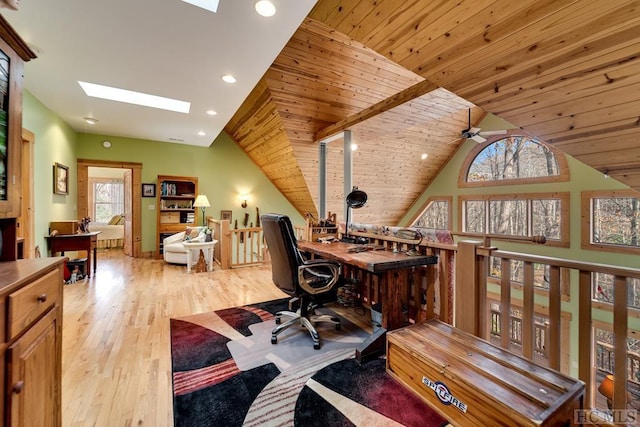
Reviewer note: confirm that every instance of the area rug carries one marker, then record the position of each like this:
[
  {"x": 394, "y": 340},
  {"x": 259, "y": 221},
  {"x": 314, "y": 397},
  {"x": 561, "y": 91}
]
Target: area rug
[{"x": 226, "y": 372}]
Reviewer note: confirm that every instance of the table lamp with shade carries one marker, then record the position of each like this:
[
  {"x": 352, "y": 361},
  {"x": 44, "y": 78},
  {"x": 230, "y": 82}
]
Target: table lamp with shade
[
  {"x": 606, "y": 389},
  {"x": 202, "y": 202}
]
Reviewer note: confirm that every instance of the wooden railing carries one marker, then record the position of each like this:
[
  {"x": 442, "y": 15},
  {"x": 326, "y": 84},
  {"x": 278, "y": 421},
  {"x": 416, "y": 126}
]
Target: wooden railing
[
  {"x": 242, "y": 247},
  {"x": 472, "y": 277},
  {"x": 605, "y": 361}
]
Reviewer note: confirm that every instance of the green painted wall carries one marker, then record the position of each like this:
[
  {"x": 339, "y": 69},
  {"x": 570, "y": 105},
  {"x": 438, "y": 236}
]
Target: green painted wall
[
  {"x": 224, "y": 172},
  {"x": 55, "y": 142},
  {"x": 583, "y": 178}
]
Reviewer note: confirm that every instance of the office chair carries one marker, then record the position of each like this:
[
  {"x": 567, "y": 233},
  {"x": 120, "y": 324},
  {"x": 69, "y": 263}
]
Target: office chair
[{"x": 299, "y": 278}]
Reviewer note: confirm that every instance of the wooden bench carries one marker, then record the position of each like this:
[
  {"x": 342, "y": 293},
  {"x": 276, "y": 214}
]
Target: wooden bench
[{"x": 472, "y": 382}]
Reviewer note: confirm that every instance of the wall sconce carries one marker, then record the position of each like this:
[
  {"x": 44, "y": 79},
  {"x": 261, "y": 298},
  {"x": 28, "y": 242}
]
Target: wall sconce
[
  {"x": 201, "y": 202},
  {"x": 243, "y": 200}
]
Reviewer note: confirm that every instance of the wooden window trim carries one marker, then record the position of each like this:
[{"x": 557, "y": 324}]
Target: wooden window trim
[
  {"x": 565, "y": 215},
  {"x": 563, "y": 166},
  {"x": 425, "y": 205},
  {"x": 586, "y": 215}
]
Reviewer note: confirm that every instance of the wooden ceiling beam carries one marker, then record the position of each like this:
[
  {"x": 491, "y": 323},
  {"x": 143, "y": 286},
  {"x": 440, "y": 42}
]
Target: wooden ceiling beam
[{"x": 399, "y": 98}]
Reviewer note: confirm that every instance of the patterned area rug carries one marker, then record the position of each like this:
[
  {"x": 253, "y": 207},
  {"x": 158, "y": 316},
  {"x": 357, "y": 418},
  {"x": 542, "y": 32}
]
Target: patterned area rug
[{"x": 226, "y": 372}]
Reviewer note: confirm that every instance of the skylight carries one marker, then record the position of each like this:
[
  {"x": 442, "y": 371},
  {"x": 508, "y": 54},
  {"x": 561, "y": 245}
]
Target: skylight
[
  {"x": 137, "y": 98},
  {"x": 210, "y": 5}
]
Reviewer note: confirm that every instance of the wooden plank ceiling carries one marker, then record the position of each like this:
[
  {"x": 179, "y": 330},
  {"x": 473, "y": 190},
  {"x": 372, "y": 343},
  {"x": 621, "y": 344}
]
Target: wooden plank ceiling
[{"x": 565, "y": 71}]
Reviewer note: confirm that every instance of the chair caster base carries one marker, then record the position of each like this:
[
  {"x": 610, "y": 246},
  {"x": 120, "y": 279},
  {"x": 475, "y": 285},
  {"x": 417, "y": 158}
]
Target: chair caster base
[{"x": 274, "y": 340}]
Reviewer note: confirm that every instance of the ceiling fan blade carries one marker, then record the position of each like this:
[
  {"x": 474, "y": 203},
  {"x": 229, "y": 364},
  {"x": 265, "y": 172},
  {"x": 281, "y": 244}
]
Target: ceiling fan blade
[
  {"x": 493, "y": 132},
  {"x": 474, "y": 130},
  {"x": 478, "y": 139}
]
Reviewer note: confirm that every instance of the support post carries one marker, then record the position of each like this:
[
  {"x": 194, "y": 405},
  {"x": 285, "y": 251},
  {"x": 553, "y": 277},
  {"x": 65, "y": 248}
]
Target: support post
[{"x": 467, "y": 301}]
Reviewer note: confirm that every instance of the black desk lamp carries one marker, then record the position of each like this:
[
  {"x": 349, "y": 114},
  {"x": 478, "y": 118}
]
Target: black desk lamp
[{"x": 355, "y": 200}]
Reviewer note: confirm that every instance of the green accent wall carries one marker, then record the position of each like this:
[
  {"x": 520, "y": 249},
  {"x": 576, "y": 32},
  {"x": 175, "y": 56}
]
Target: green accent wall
[
  {"x": 223, "y": 170},
  {"x": 582, "y": 178},
  {"x": 55, "y": 141}
]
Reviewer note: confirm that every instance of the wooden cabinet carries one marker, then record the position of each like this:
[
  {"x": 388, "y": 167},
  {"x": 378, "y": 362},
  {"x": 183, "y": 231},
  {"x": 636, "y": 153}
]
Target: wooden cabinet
[
  {"x": 13, "y": 53},
  {"x": 175, "y": 205},
  {"x": 31, "y": 356}
]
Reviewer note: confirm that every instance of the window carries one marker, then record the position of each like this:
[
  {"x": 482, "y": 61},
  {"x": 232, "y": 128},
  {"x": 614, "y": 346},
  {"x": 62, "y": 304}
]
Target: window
[
  {"x": 612, "y": 221},
  {"x": 520, "y": 215},
  {"x": 108, "y": 199},
  {"x": 436, "y": 215},
  {"x": 510, "y": 160},
  {"x": 602, "y": 289}
]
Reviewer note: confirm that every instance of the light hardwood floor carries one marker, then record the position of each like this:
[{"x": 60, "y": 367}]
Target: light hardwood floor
[{"x": 116, "y": 362}]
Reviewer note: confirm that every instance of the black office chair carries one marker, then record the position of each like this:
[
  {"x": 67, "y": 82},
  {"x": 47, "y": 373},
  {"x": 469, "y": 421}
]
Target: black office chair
[{"x": 300, "y": 278}]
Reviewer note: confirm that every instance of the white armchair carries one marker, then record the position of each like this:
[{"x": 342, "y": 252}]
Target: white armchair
[{"x": 173, "y": 250}]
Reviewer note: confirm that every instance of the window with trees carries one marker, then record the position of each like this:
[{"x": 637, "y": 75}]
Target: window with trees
[
  {"x": 510, "y": 160},
  {"x": 108, "y": 199},
  {"x": 520, "y": 215},
  {"x": 435, "y": 215},
  {"x": 611, "y": 221}
]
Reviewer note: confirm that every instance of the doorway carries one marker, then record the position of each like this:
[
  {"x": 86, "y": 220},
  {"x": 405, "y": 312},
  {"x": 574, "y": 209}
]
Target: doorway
[
  {"x": 132, "y": 238},
  {"x": 25, "y": 223}
]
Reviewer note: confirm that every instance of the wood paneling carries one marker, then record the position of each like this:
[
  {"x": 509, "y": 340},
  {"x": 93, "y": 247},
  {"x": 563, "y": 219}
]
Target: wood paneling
[{"x": 566, "y": 71}]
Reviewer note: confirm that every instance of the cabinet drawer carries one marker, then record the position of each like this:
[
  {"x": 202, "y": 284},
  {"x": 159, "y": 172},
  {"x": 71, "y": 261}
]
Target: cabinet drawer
[{"x": 30, "y": 302}]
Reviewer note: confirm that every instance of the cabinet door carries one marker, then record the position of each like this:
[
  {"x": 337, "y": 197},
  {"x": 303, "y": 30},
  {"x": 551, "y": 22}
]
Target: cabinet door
[{"x": 33, "y": 383}]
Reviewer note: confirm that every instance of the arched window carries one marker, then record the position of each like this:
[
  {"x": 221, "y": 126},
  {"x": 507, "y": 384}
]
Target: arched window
[{"x": 513, "y": 159}]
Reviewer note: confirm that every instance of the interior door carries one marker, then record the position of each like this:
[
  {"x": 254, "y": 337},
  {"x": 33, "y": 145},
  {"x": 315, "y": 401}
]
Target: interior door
[{"x": 128, "y": 210}]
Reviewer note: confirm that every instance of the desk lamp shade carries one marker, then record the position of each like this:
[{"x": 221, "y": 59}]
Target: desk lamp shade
[
  {"x": 355, "y": 200},
  {"x": 201, "y": 202}
]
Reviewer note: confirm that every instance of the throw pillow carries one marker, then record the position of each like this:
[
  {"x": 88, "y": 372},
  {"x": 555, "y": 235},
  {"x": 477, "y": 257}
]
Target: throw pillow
[
  {"x": 121, "y": 222},
  {"x": 191, "y": 233},
  {"x": 115, "y": 219}
]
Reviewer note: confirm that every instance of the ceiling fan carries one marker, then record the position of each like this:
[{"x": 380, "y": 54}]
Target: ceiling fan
[{"x": 476, "y": 134}]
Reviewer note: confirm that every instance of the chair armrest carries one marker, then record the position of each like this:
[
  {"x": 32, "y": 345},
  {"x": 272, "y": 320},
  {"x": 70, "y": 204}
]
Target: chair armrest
[
  {"x": 173, "y": 238},
  {"x": 325, "y": 272}
]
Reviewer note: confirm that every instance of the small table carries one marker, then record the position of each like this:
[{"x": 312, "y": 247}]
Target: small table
[
  {"x": 197, "y": 246},
  {"x": 75, "y": 242}
]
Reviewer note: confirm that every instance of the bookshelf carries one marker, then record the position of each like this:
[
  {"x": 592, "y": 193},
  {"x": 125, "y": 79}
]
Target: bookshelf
[{"x": 176, "y": 195}]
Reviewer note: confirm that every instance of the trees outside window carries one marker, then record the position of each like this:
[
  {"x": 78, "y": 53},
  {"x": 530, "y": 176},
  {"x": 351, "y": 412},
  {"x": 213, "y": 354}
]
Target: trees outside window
[
  {"x": 435, "y": 215},
  {"x": 522, "y": 215},
  {"x": 514, "y": 159},
  {"x": 611, "y": 221},
  {"x": 108, "y": 197}
]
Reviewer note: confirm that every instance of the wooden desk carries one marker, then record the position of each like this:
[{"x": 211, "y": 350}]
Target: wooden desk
[
  {"x": 385, "y": 263},
  {"x": 75, "y": 242}
]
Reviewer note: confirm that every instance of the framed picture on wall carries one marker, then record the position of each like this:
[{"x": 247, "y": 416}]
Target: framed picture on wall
[
  {"x": 225, "y": 215},
  {"x": 60, "y": 179},
  {"x": 148, "y": 190}
]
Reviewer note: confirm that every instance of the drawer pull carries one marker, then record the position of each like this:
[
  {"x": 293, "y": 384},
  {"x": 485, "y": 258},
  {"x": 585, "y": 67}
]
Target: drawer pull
[
  {"x": 17, "y": 387},
  {"x": 42, "y": 298}
]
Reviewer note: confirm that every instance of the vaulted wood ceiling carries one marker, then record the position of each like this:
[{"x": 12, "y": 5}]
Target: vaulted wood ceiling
[{"x": 565, "y": 71}]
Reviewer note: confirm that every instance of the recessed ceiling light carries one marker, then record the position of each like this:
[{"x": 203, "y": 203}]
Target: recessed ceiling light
[
  {"x": 91, "y": 120},
  {"x": 211, "y": 112},
  {"x": 210, "y": 5},
  {"x": 265, "y": 8},
  {"x": 137, "y": 98},
  {"x": 424, "y": 156},
  {"x": 201, "y": 133},
  {"x": 229, "y": 78}
]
